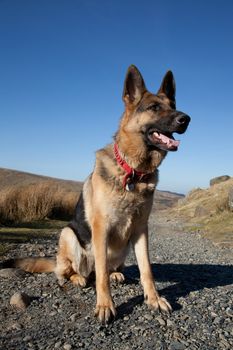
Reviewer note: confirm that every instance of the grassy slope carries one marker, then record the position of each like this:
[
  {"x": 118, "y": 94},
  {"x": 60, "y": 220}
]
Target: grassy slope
[
  {"x": 207, "y": 210},
  {"x": 28, "y": 197}
]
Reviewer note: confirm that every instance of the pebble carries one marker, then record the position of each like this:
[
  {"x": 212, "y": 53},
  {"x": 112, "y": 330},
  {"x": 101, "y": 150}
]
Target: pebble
[
  {"x": 175, "y": 345},
  {"x": 67, "y": 346},
  {"x": 161, "y": 321},
  {"x": 148, "y": 317},
  {"x": 170, "y": 323},
  {"x": 20, "y": 300},
  {"x": 57, "y": 345},
  {"x": 27, "y": 338},
  {"x": 229, "y": 312}
]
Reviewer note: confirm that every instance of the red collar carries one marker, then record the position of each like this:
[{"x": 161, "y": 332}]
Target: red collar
[{"x": 131, "y": 175}]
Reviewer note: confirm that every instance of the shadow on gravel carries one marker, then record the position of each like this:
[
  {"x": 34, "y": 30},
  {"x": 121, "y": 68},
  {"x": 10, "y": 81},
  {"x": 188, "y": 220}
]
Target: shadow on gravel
[
  {"x": 184, "y": 278},
  {"x": 127, "y": 307}
]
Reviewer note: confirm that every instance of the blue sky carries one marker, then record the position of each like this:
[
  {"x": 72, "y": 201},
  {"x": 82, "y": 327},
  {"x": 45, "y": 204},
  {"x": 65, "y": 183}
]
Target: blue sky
[{"x": 62, "y": 67}]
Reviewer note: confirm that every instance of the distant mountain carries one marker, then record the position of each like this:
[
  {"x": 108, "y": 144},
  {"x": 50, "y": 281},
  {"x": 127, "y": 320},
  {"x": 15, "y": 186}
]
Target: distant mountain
[{"x": 166, "y": 199}]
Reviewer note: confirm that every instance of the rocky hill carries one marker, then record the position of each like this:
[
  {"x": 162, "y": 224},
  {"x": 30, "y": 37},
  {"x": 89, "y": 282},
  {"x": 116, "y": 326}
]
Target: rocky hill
[{"x": 209, "y": 210}]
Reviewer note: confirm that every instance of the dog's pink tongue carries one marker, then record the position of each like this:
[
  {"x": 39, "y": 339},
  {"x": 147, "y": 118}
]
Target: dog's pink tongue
[{"x": 165, "y": 142}]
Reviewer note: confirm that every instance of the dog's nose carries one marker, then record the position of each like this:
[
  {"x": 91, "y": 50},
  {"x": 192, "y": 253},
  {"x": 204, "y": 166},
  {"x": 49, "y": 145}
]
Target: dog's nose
[{"x": 182, "y": 119}]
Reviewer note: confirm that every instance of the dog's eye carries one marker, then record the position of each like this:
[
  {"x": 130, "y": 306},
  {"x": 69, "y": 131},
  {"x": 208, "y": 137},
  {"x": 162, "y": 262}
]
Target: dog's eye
[{"x": 155, "y": 107}]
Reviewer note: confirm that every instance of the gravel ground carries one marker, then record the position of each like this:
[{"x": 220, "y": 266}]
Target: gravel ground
[{"x": 194, "y": 275}]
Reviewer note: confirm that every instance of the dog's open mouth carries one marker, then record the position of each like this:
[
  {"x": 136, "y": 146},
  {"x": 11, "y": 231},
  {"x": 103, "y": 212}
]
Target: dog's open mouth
[{"x": 164, "y": 142}]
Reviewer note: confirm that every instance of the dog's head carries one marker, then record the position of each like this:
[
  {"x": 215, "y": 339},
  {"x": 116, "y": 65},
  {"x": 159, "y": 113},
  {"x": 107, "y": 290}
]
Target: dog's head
[{"x": 152, "y": 119}]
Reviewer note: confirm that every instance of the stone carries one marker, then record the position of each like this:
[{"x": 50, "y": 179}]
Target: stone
[
  {"x": 219, "y": 179},
  {"x": 67, "y": 346},
  {"x": 20, "y": 300},
  {"x": 229, "y": 312},
  {"x": 169, "y": 323},
  {"x": 175, "y": 345},
  {"x": 27, "y": 338},
  {"x": 161, "y": 321},
  {"x": 57, "y": 345},
  {"x": 148, "y": 317}
]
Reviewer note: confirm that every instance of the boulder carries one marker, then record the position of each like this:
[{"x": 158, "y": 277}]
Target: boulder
[{"x": 219, "y": 179}]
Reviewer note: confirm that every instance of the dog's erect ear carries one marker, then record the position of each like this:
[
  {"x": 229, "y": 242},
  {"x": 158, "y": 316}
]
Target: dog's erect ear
[
  {"x": 134, "y": 86},
  {"x": 168, "y": 86}
]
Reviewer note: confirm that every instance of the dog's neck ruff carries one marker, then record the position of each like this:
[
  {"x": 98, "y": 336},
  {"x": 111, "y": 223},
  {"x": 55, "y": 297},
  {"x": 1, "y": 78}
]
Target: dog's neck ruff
[{"x": 132, "y": 176}]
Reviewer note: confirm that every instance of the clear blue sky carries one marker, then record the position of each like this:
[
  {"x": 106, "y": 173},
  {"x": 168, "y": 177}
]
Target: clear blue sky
[{"x": 62, "y": 67}]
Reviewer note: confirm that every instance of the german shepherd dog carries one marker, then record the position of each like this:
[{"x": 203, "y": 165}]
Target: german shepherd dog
[
  {"x": 114, "y": 207},
  {"x": 113, "y": 210}
]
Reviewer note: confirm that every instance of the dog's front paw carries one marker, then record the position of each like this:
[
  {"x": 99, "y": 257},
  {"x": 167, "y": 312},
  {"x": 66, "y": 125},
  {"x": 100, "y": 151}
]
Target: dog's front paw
[
  {"x": 159, "y": 303},
  {"x": 117, "y": 277},
  {"x": 106, "y": 312}
]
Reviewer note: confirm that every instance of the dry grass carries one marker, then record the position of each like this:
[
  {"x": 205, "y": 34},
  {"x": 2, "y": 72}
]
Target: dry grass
[
  {"x": 37, "y": 201},
  {"x": 208, "y": 210}
]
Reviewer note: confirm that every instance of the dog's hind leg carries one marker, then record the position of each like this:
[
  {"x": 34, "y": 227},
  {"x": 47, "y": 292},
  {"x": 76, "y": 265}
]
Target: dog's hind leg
[
  {"x": 117, "y": 276},
  {"x": 78, "y": 280},
  {"x": 73, "y": 261},
  {"x": 68, "y": 257},
  {"x": 116, "y": 265}
]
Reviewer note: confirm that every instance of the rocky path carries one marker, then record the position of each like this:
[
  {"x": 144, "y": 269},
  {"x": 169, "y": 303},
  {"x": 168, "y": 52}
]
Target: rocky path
[{"x": 194, "y": 275}]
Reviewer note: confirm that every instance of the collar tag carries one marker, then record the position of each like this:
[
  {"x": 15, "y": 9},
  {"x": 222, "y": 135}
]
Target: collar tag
[{"x": 129, "y": 186}]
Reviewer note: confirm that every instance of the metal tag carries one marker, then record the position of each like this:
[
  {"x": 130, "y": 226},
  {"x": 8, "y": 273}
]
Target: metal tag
[{"x": 129, "y": 186}]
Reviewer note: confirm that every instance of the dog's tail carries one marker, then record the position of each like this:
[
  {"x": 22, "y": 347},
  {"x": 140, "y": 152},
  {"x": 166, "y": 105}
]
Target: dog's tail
[{"x": 31, "y": 264}]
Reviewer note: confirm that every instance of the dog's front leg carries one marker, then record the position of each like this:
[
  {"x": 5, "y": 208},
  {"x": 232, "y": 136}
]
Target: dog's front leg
[
  {"x": 152, "y": 298},
  {"x": 104, "y": 307}
]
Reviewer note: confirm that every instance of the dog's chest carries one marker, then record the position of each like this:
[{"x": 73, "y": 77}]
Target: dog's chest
[{"x": 126, "y": 215}]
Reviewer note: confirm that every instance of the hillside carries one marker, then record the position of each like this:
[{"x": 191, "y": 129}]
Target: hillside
[
  {"x": 9, "y": 178},
  {"x": 165, "y": 199},
  {"x": 209, "y": 211},
  {"x": 28, "y": 197}
]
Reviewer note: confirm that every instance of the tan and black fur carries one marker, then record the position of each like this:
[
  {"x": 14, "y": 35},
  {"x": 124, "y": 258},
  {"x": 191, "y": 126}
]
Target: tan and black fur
[{"x": 108, "y": 219}]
